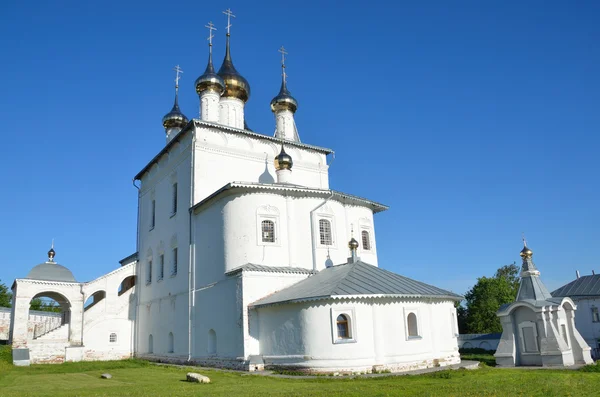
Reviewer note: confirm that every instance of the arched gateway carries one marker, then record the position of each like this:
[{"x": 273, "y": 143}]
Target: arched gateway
[{"x": 54, "y": 337}]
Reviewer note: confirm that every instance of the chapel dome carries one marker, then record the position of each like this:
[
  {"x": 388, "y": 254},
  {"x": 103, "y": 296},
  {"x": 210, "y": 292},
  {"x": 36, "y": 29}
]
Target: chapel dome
[
  {"x": 175, "y": 119},
  {"x": 283, "y": 161},
  {"x": 353, "y": 244},
  {"x": 526, "y": 252},
  {"x": 284, "y": 100},
  {"x": 209, "y": 80},
  {"x": 51, "y": 271},
  {"x": 236, "y": 86}
]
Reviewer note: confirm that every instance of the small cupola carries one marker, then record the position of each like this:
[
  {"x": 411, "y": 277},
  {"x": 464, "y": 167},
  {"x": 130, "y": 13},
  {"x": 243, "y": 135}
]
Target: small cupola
[{"x": 174, "y": 121}]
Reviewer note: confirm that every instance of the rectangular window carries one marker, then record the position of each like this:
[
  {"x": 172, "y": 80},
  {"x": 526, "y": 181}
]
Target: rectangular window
[
  {"x": 325, "y": 232},
  {"x": 112, "y": 338},
  {"x": 174, "y": 269},
  {"x": 149, "y": 275},
  {"x": 595, "y": 315},
  {"x": 153, "y": 215},
  {"x": 366, "y": 241},
  {"x": 174, "y": 204},
  {"x": 161, "y": 267},
  {"x": 268, "y": 231}
]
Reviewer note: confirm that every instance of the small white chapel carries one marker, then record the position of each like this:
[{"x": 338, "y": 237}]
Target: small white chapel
[{"x": 246, "y": 258}]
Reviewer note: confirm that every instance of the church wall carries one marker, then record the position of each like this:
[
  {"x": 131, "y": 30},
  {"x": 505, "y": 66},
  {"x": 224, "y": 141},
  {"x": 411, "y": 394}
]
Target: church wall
[
  {"x": 222, "y": 157},
  {"x": 304, "y": 335},
  {"x": 234, "y": 222},
  {"x": 170, "y": 231},
  {"x": 218, "y": 307}
]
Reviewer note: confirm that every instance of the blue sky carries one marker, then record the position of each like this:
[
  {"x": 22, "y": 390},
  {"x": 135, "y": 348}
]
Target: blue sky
[{"x": 474, "y": 121}]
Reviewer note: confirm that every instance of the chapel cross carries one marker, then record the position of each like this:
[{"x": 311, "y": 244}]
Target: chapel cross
[
  {"x": 177, "y": 70},
  {"x": 210, "y": 28},
  {"x": 524, "y": 241},
  {"x": 283, "y": 54},
  {"x": 229, "y": 15}
]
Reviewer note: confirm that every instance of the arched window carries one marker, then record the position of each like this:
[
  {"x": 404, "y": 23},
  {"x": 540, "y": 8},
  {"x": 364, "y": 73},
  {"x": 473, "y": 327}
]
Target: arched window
[
  {"x": 411, "y": 322},
  {"x": 212, "y": 342},
  {"x": 112, "y": 338},
  {"x": 150, "y": 344},
  {"x": 325, "y": 232},
  {"x": 171, "y": 343},
  {"x": 343, "y": 327},
  {"x": 366, "y": 241},
  {"x": 268, "y": 231}
]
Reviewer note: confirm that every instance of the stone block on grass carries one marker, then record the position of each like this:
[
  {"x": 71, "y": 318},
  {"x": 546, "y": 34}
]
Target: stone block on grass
[{"x": 197, "y": 378}]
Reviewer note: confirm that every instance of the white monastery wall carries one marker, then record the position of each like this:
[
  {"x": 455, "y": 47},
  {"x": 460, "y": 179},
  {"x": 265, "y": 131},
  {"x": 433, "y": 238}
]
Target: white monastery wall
[
  {"x": 222, "y": 157},
  {"x": 378, "y": 335}
]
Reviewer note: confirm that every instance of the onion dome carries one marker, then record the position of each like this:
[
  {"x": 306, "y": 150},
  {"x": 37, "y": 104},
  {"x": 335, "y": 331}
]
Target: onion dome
[
  {"x": 353, "y": 244},
  {"x": 51, "y": 255},
  {"x": 236, "y": 85},
  {"x": 175, "y": 119},
  {"x": 283, "y": 161},
  {"x": 209, "y": 80},
  {"x": 284, "y": 100},
  {"x": 526, "y": 252}
]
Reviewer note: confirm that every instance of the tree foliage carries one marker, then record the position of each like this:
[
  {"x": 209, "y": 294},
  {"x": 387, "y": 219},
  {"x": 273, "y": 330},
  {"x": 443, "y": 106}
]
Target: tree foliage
[
  {"x": 485, "y": 298},
  {"x": 5, "y": 295},
  {"x": 44, "y": 305}
]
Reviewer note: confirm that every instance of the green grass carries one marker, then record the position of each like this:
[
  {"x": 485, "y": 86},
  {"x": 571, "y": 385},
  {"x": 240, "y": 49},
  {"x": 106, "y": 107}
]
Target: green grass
[{"x": 138, "y": 378}]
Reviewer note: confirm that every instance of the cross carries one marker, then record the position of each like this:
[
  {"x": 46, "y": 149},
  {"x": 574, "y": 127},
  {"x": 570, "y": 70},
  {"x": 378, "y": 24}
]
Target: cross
[
  {"x": 229, "y": 15},
  {"x": 210, "y": 27},
  {"x": 524, "y": 241},
  {"x": 283, "y": 54},
  {"x": 177, "y": 70}
]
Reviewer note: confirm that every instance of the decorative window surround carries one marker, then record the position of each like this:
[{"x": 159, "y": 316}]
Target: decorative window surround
[
  {"x": 417, "y": 318},
  {"x": 271, "y": 214},
  {"x": 350, "y": 315},
  {"x": 321, "y": 231}
]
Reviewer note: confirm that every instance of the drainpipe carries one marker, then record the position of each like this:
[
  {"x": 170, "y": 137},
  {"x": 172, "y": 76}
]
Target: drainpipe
[
  {"x": 137, "y": 273},
  {"x": 191, "y": 277}
]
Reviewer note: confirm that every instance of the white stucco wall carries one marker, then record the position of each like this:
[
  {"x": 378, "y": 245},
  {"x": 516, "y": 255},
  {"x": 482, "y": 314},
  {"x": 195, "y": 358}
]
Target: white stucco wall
[
  {"x": 589, "y": 330},
  {"x": 221, "y": 229},
  {"x": 225, "y": 156},
  {"x": 289, "y": 337}
]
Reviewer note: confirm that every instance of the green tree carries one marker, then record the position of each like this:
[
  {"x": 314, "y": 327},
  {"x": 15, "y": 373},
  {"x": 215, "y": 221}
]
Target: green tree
[
  {"x": 485, "y": 298},
  {"x": 44, "y": 305},
  {"x": 5, "y": 295}
]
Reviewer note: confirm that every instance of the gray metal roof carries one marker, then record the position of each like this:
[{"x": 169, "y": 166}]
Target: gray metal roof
[
  {"x": 352, "y": 279},
  {"x": 251, "y": 267},
  {"x": 533, "y": 289},
  {"x": 51, "y": 271},
  {"x": 583, "y": 286}
]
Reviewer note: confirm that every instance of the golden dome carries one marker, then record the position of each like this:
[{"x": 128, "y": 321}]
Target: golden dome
[
  {"x": 174, "y": 118},
  {"x": 236, "y": 86},
  {"x": 209, "y": 80},
  {"x": 353, "y": 244},
  {"x": 526, "y": 252},
  {"x": 283, "y": 161},
  {"x": 284, "y": 100}
]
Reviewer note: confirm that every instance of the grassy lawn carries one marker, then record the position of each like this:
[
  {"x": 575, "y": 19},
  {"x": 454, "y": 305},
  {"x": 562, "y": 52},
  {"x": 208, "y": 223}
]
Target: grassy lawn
[{"x": 137, "y": 378}]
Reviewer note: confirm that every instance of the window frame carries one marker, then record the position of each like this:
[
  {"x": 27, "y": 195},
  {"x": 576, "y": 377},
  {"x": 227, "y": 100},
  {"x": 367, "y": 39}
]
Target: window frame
[
  {"x": 174, "y": 261},
  {"x": 149, "y": 272},
  {"x": 174, "y": 198},
  {"x": 161, "y": 267},
  {"x": 273, "y": 236},
  {"x": 350, "y": 315},
  {"x": 408, "y": 311},
  {"x": 331, "y": 221},
  {"x": 153, "y": 214},
  {"x": 595, "y": 314},
  {"x": 111, "y": 339},
  {"x": 369, "y": 246},
  {"x": 259, "y": 231}
]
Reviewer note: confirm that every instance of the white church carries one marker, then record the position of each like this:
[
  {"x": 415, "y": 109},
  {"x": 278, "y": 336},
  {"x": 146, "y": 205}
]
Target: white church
[{"x": 246, "y": 259}]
